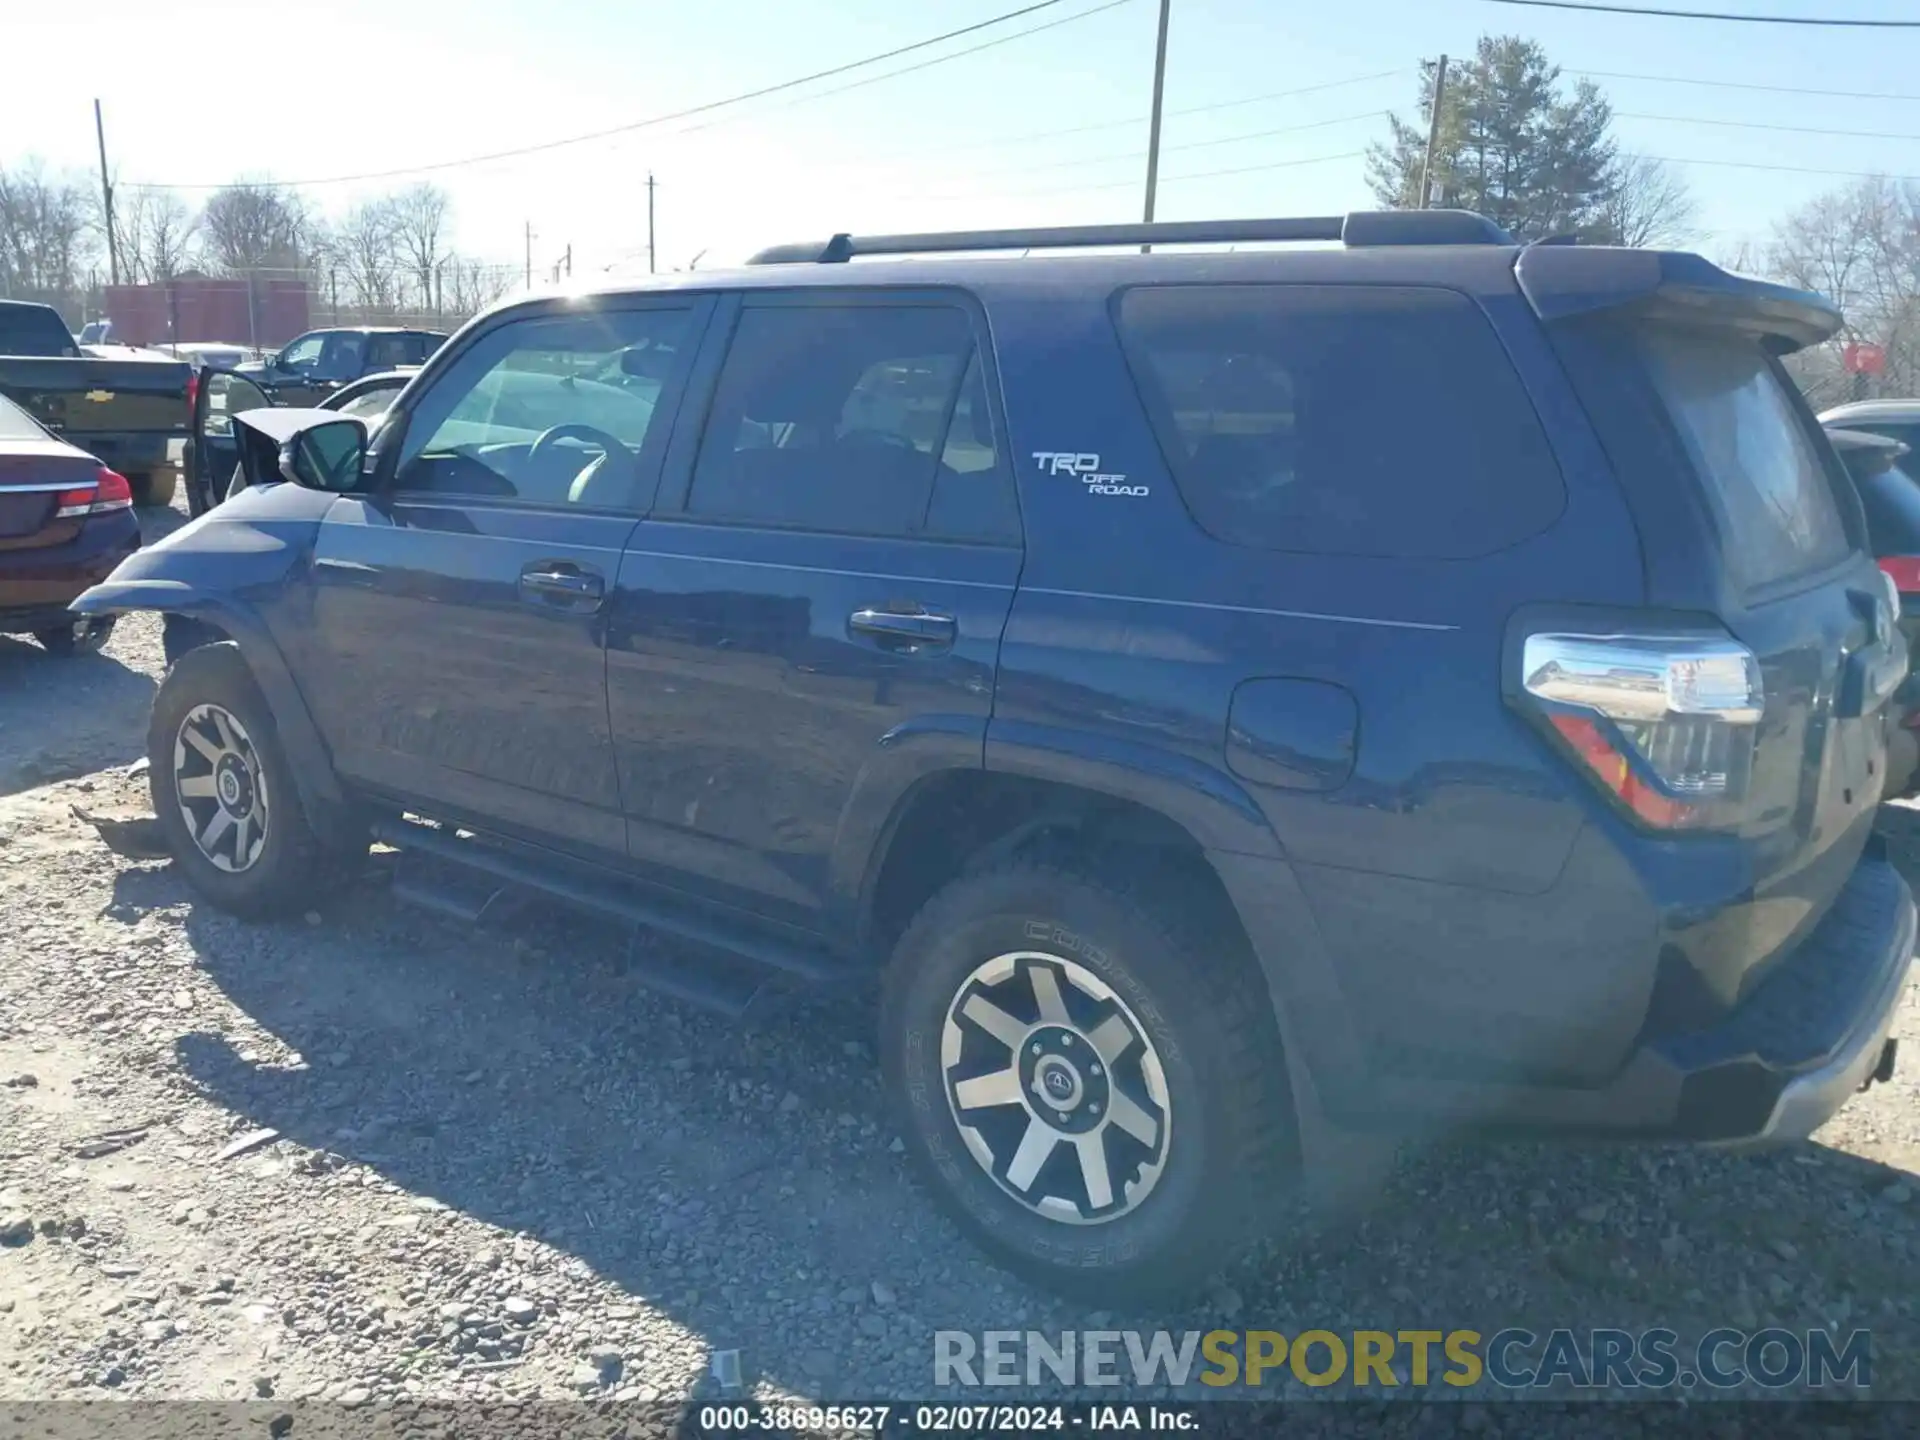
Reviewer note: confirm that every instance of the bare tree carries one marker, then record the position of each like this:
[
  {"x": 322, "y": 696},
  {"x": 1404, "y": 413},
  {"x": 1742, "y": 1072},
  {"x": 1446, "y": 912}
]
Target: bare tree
[
  {"x": 365, "y": 246},
  {"x": 471, "y": 286},
  {"x": 155, "y": 231},
  {"x": 1859, "y": 246},
  {"x": 1648, "y": 204},
  {"x": 257, "y": 226},
  {"x": 46, "y": 235},
  {"x": 421, "y": 218}
]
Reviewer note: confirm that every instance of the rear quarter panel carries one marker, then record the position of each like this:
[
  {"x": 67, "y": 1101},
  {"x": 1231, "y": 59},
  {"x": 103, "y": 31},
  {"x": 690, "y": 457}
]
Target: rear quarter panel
[{"x": 1431, "y": 867}]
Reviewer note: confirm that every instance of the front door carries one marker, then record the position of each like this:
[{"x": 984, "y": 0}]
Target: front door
[
  {"x": 460, "y": 606},
  {"x": 815, "y": 611}
]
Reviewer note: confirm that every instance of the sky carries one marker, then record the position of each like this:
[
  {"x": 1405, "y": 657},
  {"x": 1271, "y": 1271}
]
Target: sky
[{"x": 199, "y": 92}]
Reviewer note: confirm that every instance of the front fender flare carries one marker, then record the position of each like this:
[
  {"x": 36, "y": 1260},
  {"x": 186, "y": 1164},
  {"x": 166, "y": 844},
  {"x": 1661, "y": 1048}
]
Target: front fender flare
[{"x": 320, "y": 790}]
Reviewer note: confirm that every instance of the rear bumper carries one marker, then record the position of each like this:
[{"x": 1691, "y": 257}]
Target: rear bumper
[
  {"x": 1772, "y": 1070},
  {"x": 1813, "y": 1034},
  {"x": 131, "y": 453},
  {"x": 36, "y": 586}
]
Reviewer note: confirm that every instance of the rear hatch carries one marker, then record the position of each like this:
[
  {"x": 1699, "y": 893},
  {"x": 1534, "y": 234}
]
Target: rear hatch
[{"x": 1751, "y": 534}]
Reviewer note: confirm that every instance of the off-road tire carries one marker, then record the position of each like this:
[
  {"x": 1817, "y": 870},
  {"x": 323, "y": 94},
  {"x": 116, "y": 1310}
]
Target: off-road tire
[
  {"x": 294, "y": 868},
  {"x": 1202, "y": 1003},
  {"x": 84, "y": 638}
]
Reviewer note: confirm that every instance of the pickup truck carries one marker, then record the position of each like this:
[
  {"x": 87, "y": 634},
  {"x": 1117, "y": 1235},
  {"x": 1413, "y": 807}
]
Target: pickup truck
[
  {"x": 312, "y": 366},
  {"x": 127, "y": 411}
]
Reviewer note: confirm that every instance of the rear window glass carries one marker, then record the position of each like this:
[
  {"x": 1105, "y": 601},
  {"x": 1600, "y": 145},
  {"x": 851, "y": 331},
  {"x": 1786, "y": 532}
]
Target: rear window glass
[
  {"x": 34, "y": 330},
  {"x": 1353, "y": 420},
  {"x": 1892, "y": 503},
  {"x": 1766, "y": 482}
]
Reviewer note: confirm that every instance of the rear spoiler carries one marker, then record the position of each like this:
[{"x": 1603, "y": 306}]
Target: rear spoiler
[{"x": 1562, "y": 282}]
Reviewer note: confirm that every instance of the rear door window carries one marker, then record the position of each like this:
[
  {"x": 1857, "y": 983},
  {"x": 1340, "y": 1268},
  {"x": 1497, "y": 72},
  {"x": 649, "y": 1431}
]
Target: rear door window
[
  {"x": 1349, "y": 420},
  {"x": 843, "y": 419},
  {"x": 1767, "y": 484}
]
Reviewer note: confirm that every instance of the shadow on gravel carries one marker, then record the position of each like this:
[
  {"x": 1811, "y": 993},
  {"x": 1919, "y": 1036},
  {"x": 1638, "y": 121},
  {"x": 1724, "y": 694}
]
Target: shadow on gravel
[
  {"x": 740, "y": 1180},
  {"x": 60, "y": 718}
]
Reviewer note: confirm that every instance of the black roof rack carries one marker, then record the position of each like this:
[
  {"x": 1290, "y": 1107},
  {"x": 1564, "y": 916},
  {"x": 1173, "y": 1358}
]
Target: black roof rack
[{"x": 1361, "y": 228}]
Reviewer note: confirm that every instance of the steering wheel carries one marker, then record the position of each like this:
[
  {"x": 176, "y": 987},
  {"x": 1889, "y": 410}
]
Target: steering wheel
[
  {"x": 878, "y": 439},
  {"x": 552, "y": 436}
]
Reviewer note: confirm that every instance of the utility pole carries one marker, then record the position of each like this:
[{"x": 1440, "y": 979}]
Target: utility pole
[
  {"x": 1153, "y": 125},
  {"x": 649, "y": 222},
  {"x": 529, "y": 254},
  {"x": 568, "y": 260},
  {"x": 1433, "y": 134},
  {"x": 106, "y": 196}
]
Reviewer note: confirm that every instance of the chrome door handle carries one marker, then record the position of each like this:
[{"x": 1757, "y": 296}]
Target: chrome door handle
[
  {"x": 551, "y": 583},
  {"x": 908, "y": 632}
]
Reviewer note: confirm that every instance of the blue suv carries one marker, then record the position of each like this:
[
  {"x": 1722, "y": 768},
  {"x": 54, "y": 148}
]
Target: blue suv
[{"x": 1406, "y": 684}]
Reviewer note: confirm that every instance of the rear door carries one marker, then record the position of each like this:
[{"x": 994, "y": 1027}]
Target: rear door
[
  {"x": 817, "y": 606},
  {"x": 461, "y": 609}
]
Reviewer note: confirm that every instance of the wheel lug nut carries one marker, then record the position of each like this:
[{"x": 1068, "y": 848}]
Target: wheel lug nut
[
  {"x": 1036, "y": 1047},
  {"x": 1066, "y": 1039},
  {"x": 1094, "y": 1069},
  {"x": 1094, "y": 1109},
  {"x": 1063, "y": 1116}
]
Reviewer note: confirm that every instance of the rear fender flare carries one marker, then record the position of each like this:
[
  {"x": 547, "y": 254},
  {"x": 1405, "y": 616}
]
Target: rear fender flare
[
  {"x": 1206, "y": 802},
  {"x": 320, "y": 789}
]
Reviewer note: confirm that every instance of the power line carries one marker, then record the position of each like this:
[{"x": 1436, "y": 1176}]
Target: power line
[
  {"x": 1134, "y": 155},
  {"x": 920, "y": 152},
  {"x": 921, "y": 65},
  {"x": 1783, "y": 169},
  {"x": 1747, "y": 85},
  {"x": 1651, "y": 12},
  {"x": 710, "y": 105},
  {"x": 1760, "y": 125}
]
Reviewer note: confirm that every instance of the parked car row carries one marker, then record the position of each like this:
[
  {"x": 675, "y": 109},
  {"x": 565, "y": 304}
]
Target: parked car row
[{"x": 1199, "y": 767}]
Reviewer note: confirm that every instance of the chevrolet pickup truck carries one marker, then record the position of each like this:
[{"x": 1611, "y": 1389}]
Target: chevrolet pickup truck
[{"x": 125, "y": 410}]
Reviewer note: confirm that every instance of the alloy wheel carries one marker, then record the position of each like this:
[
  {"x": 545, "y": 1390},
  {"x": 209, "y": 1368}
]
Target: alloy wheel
[
  {"x": 1056, "y": 1088},
  {"x": 221, "y": 788}
]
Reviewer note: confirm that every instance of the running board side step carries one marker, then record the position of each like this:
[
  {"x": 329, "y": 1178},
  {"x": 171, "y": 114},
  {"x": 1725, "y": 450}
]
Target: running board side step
[{"x": 745, "y": 962}]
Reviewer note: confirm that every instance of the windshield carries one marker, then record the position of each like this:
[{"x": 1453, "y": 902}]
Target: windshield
[{"x": 1767, "y": 484}]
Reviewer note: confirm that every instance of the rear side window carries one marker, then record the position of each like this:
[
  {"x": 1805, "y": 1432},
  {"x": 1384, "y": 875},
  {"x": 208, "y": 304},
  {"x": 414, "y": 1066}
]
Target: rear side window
[
  {"x": 1347, "y": 420},
  {"x": 1767, "y": 484},
  {"x": 35, "y": 330},
  {"x": 858, "y": 419}
]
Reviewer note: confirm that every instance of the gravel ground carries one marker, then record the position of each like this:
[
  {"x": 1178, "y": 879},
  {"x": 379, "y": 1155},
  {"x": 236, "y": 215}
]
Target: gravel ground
[{"x": 371, "y": 1155}]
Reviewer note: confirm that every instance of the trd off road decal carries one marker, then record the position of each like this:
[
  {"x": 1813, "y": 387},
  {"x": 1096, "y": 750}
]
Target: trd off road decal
[{"x": 1086, "y": 469}]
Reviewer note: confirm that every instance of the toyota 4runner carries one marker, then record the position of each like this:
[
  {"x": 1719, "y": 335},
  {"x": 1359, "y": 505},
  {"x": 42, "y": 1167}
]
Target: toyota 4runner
[{"x": 1419, "y": 684}]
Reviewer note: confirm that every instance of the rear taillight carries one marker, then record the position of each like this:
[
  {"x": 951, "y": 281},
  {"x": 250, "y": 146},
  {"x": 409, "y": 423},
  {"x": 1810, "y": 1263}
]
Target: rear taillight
[
  {"x": 109, "y": 491},
  {"x": 193, "y": 394},
  {"x": 1664, "y": 723},
  {"x": 1904, "y": 571}
]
